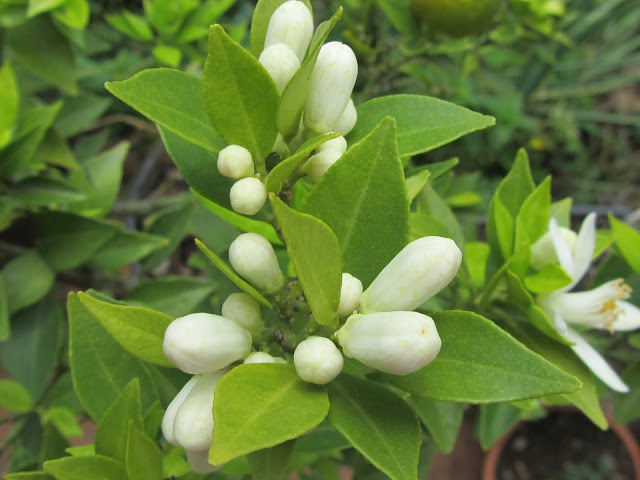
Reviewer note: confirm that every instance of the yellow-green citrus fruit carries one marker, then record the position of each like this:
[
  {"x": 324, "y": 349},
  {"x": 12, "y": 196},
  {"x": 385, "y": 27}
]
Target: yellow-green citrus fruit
[{"x": 456, "y": 17}]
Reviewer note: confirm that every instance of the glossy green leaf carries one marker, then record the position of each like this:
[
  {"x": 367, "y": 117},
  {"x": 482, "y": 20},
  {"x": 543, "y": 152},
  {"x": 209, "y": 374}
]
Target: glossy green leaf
[
  {"x": 282, "y": 171},
  {"x": 27, "y": 278},
  {"x": 197, "y": 25},
  {"x": 551, "y": 277},
  {"x": 363, "y": 197},
  {"x": 79, "y": 113},
  {"x": 251, "y": 403},
  {"x": 434, "y": 206},
  {"x": 139, "y": 330},
  {"x": 14, "y": 397},
  {"x": 627, "y": 405},
  {"x": 442, "y": 419},
  {"x": 74, "y": 14},
  {"x": 28, "y": 476},
  {"x": 10, "y": 101},
  {"x": 481, "y": 363},
  {"x": 495, "y": 420},
  {"x": 132, "y": 25},
  {"x": 437, "y": 169},
  {"x": 54, "y": 150},
  {"x": 271, "y": 463},
  {"x": 126, "y": 246},
  {"x": 167, "y": 55},
  {"x": 5, "y": 325},
  {"x": 378, "y": 423},
  {"x": 424, "y": 123},
  {"x": 101, "y": 367},
  {"x": 174, "y": 296},
  {"x": 260, "y": 21},
  {"x": 475, "y": 258},
  {"x": 173, "y": 100},
  {"x": 95, "y": 467},
  {"x": 55, "y": 64},
  {"x": 315, "y": 253},
  {"x": 416, "y": 183},
  {"x": 82, "y": 451},
  {"x": 240, "y": 96},
  {"x": 29, "y": 356},
  {"x": 36, "y": 7},
  {"x": 65, "y": 420},
  {"x": 143, "y": 457},
  {"x": 532, "y": 220},
  {"x": 295, "y": 93},
  {"x": 627, "y": 240},
  {"x": 561, "y": 211},
  {"x": 231, "y": 275},
  {"x": 43, "y": 191},
  {"x": 323, "y": 438}
]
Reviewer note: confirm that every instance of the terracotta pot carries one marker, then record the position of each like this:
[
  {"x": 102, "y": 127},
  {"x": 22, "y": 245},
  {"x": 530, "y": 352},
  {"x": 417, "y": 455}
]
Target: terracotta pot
[{"x": 492, "y": 458}]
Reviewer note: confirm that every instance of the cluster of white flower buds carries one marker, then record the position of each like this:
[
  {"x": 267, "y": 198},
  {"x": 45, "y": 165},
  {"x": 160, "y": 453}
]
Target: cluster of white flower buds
[{"x": 248, "y": 194}]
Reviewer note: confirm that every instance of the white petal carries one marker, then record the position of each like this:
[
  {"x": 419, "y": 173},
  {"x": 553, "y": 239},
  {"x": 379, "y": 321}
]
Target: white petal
[
  {"x": 628, "y": 318},
  {"x": 585, "y": 246},
  {"x": 595, "y": 362},
  {"x": 563, "y": 252}
]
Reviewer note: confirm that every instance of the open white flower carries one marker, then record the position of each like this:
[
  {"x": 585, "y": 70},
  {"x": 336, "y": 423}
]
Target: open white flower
[{"x": 602, "y": 307}]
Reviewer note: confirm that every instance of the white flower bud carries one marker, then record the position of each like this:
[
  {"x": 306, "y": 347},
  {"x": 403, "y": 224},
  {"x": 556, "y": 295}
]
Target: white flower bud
[
  {"x": 244, "y": 310},
  {"x": 347, "y": 120},
  {"x": 291, "y": 23},
  {"x": 330, "y": 87},
  {"x": 247, "y": 196},
  {"x": 280, "y": 360},
  {"x": 202, "y": 343},
  {"x": 543, "y": 252},
  {"x": 235, "y": 161},
  {"x": 317, "y": 360},
  {"x": 199, "y": 462},
  {"x": 338, "y": 144},
  {"x": 260, "y": 357},
  {"x": 417, "y": 273},
  {"x": 253, "y": 258},
  {"x": 399, "y": 343},
  {"x": 172, "y": 410},
  {"x": 281, "y": 62},
  {"x": 319, "y": 163},
  {"x": 350, "y": 294},
  {"x": 193, "y": 425}
]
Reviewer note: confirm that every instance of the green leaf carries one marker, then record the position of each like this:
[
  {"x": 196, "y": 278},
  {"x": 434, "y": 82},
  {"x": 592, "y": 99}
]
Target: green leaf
[
  {"x": 14, "y": 397},
  {"x": 5, "y": 325},
  {"x": 82, "y": 451},
  {"x": 64, "y": 419},
  {"x": 363, "y": 197},
  {"x": 36, "y": 7},
  {"x": 240, "y": 96},
  {"x": 627, "y": 240},
  {"x": 54, "y": 150},
  {"x": 295, "y": 93},
  {"x": 74, "y": 14},
  {"x": 551, "y": 277},
  {"x": 79, "y": 113},
  {"x": 442, "y": 419},
  {"x": 315, "y": 253},
  {"x": 43, "y": 191},
  {"x": 416, "y": 183},
  {"x": 28, "y": 476},
  {"x": 54, "y": 63},
  {"x": 113, "y": 427},
  {"x": 627, "y": 405},
  {"x": 143, "y": 457},
  {"x": 10, "y": 101},
  {"x": 378, "y": 423},
  {"x": 126, "y": 246},
  {"x": 282, "y": 171},
  {"x": 173, "y": 100},
  {"x": 101, "y": 368},
  {"x": 251, "y": 403},
  {"x": 29, "y": 356},
  {"x": 495, "y": 420},
  {"x": 561, "y": 211},
  {"x": 475, "y": 258},
  {"x": 233, "y": 276},
  {"x": 434, "y": 206},
  {"x": 27, "y": 278},
  {"x": 323, "y": 438},
  {"x": 424, "y": 123},
  {"x": 95, "y": 467},
  {"x": 260, "y": 21},
  {"x": 437, "y": 169},
  {"x": 533, "y": 217},
  {"x": 174, "y": 296},
  {"x": 586, "y": 399},
  {"x": 139, "y": 330},
  {"x": 132, "y": 25},
  {"x": 271, "y": 463},
  {"x": 480, "y": 363},
  {"x": 197, "y": 25},
  {"x": 167, "y": 55}
]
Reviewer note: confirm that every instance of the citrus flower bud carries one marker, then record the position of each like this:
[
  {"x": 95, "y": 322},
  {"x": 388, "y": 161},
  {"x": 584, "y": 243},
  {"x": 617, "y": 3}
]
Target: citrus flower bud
[
  {"x": 399, "y": 343},
  {"x": 245, "y": 311},
  {"x": 291, "y": 23},
  {"x": 338, "y": 144},
  {"x": 281, "y": 62},
  {"x": 253, "y": 258},
  {"x": 319, "y": 163},
  {"x": 317, "y": 360},
  {"x": 543, "y": 252},
  {"x": 280, "y": 360},
  {"x": 350, "y": 294},
  {"x": 247, "y": 196},
  {"x": 347, "y": 120},
  {"x": 235, "y": 161},
  {"x": 202, "y": 342},
  {"x": 330, "y": 87},
  {"x": 193, "y": 425},
  {"x": 172, "y": 409},
  {"x": 260, "y": 357},
  {"x": 417, "y": 273},
  {"x": 199, "y": 462}
]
